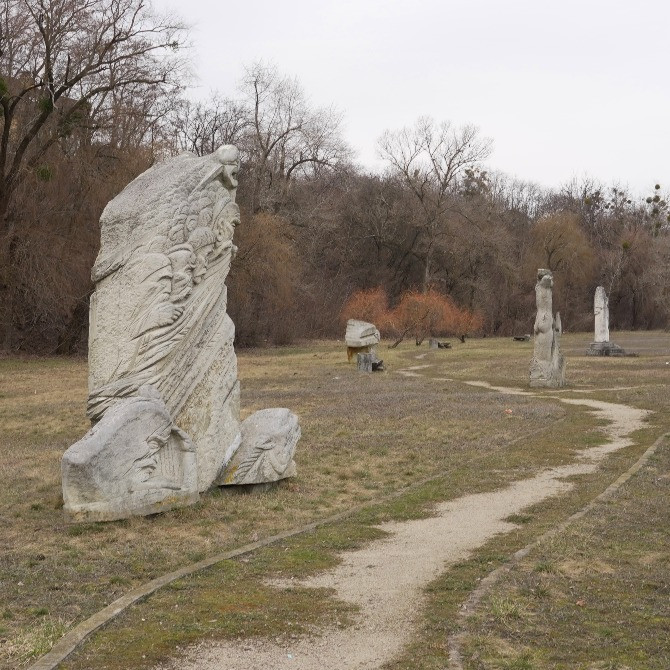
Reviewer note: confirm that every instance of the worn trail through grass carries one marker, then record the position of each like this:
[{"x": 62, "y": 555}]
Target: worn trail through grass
[{"x": 384, "y": 580}]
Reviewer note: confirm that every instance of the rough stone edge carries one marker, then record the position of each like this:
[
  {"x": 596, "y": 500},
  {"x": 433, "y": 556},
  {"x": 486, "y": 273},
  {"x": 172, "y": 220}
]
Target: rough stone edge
[
  {"x": 455, "y": 640},
  {"x": 72, "y": 639}
]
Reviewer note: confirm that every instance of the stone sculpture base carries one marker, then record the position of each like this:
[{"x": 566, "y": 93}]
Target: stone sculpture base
[
  {"x": 354, "y": 351},
  {"x": 605, "y": 349},
  {"x": 123, "y": 507},
  {"x": 250, "y": 489},
  {"x": 369, "y": 362},
  {"x": 547, "y": 374}
]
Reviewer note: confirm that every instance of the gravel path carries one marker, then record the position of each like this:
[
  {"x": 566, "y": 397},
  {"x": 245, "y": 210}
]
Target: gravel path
[{"x": 385, "y": 579}]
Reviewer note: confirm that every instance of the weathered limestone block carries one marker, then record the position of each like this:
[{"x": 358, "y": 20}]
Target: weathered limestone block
[
  {"x": 547, "y": 367},
  {"x": 355, "y": 351},
  {"x": 134, "y": 461},
  {"x": 360, "y": 337},
  {"x": 361, "y": 334},
  {"x": 158, "y": 318},
  {"x": 268, "y": 441}
]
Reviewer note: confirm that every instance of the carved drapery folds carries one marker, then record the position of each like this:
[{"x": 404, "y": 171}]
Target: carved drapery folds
[{"x": 158, "y": 321}]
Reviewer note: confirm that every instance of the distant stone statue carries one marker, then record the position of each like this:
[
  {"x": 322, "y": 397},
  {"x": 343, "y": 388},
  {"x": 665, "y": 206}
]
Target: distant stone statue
[
  {"x": 360, "y": 337},
  {"x": 601, "y": 312},
  {"x": 547, "y": 368},
  {"x": 160, "y": 344},
  {"x": 601, "y": 345}
]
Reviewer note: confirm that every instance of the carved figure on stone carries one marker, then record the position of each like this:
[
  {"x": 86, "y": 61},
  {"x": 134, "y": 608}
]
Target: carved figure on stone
[
  {"x": 547, "y": 367},
  {"x": 133, "y": 461},
  {"x": 158, "y": 314},
  {"x": 269, "y": 438}
]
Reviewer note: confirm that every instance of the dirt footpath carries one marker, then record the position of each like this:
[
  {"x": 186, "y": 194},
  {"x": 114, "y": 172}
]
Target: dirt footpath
[{"x": 385, "y": 579}]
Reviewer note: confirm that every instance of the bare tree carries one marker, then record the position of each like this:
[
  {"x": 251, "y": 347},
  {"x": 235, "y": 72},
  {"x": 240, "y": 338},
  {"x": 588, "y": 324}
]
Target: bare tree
[
  {"x": 287, "y": 137},
  {"x": 67, "y": 66},
  {"x": 202, "y": 127},
  {"x": 429, "y": 158}
]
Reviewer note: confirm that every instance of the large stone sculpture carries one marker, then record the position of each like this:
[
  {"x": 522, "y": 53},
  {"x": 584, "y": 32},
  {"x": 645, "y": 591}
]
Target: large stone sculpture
[
  {"x": 601, "y": 345},
  {"x": 547, "y": 368},
  {"x": 161, "y": 343}
]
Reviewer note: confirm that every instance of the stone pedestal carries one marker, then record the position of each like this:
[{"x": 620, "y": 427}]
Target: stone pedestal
[
  {"x": 369, "y": 362},
  {"x": 605, "y": 349}
]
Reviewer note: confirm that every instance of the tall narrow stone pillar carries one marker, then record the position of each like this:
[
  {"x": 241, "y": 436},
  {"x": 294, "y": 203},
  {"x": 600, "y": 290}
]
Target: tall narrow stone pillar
[
  {"x": 547, "y": 368},
  {"x": 601, "y": 312},
  {"x": 601, "y": 345}
]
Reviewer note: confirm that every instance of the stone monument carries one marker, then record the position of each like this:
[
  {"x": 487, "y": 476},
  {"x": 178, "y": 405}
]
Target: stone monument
[
  {"x": 360, "y": 337},
  {"x": 163, "y": 388},
  {"x": 547, "y": 368},
  {"x": 601, "y": 346}
]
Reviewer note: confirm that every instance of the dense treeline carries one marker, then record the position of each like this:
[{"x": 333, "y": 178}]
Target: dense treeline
[{"x": 91, "y": 94}]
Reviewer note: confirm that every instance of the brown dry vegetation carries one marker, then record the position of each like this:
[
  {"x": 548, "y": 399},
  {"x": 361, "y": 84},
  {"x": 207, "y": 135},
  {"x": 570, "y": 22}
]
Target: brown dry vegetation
[
  {"x": 315, "y": 227},
  {"x": 363, "y": 437}
]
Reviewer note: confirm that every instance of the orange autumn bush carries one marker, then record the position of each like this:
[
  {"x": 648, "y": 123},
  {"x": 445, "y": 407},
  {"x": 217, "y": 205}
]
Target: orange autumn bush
[
  {"x": 369, "y": 305},
  {"x": 417, "y": 314}
]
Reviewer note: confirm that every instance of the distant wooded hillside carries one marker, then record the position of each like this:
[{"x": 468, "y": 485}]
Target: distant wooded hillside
[{"x": 87, "y": 104}]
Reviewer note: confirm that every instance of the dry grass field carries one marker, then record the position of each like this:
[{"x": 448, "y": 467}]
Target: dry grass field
[{"x": 364, "y": 437}]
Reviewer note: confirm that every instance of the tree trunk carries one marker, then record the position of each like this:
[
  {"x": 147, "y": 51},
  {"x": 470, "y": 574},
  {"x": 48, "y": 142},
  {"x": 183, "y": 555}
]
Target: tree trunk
[
  {"x": 6, "y": 300},
  {"x": 73, "y": 334},
  {"x": 427, "y": 270},
  {"x": 7, "y": 242}
]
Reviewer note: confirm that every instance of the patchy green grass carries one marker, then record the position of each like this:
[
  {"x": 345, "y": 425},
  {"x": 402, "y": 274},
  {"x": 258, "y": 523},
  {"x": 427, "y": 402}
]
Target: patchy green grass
[
  {"x": 364, "y": 437},
  {"x": 596, "y": 596}
]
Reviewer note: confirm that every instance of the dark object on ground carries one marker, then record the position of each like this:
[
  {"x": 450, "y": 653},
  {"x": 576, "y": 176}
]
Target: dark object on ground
[
  {"x": 521, "y": 338},
  {"x": 369, "y": 362},
  {"x": 444, "y": 345},
  {"x": 462, "y": 339}
]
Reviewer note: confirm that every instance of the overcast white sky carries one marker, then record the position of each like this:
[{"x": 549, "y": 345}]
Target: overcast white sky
[{"x": 564, "y": 88}]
